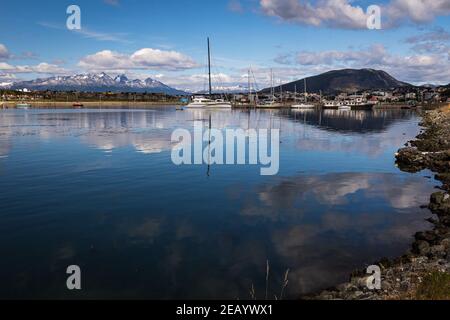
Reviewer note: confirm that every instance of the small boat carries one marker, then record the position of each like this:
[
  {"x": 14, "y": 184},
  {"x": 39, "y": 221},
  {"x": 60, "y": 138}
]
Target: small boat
[
  {"x": 78, "y": 105},
  {"x": 345, "y": 108},
  {"x": 23, "y": 106}
]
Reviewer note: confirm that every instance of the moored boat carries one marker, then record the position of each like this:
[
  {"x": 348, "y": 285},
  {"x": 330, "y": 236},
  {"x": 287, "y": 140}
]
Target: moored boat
[
  {"x": 270, "y": 105},
  {"x": 303, "y": 106},
  {"x": 23, "y": 106},
  {"x": 202, "y": 102}
]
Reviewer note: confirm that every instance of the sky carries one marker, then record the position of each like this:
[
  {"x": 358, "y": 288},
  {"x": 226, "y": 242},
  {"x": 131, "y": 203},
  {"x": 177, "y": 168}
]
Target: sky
[{"x": 166, "y": 39}]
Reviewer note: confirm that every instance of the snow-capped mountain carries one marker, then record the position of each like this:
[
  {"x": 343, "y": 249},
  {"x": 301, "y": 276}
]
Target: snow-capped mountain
[{"x": 97, "y": 83}]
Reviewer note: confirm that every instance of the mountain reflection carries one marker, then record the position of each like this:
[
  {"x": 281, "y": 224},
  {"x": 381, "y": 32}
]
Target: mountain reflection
[{"x": 350, "y": 121}]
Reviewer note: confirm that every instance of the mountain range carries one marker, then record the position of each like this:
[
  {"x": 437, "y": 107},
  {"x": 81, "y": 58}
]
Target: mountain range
[
  {"x": 345, "y": 80},
  {"x": 96, "y": 83},
  {"x": 332, "y": 82}
]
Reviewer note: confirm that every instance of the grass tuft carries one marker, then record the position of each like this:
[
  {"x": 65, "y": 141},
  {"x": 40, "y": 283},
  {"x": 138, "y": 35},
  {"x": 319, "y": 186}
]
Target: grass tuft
[{"x": 435, "y": 286}]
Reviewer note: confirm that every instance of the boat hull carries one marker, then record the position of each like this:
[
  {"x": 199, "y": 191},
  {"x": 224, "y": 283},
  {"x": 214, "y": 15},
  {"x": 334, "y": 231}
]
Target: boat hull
[
  {"x": 353, "y": 107},
  {"x": 219, "y": 105},
  {"x": 271, "y": 106},
  {"x": 303, "y": 106},
  {"x": 363, "y": 107}
]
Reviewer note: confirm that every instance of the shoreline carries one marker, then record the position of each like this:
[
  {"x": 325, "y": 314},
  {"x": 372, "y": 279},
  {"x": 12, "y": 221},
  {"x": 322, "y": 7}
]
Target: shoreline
[
  {"x": 92, "y": 104},
  {"x": 422, "y": 273}
]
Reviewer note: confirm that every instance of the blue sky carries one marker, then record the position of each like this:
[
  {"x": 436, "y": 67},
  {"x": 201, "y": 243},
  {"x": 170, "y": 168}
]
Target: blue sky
[{"x": 166, "y": 39}]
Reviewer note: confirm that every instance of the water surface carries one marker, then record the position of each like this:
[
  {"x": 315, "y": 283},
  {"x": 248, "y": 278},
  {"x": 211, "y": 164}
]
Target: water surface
[{"x": 97, "y": 188}]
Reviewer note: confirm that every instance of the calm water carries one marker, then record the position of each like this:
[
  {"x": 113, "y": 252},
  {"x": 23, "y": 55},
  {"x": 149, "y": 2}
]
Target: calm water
[{"x": 97, "y": 188}]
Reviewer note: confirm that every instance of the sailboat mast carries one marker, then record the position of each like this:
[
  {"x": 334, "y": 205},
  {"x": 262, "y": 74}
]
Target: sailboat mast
[
  {"x": 249, "y": 86},
  {"x": 281, "y": 91},
  {"x": 271, "y": 84},
  {"x": 306, "y": 99},
  {"x": 209, "y": 68}
]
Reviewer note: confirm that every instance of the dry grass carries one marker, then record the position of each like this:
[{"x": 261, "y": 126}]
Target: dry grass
[
  {"x": 435, "y": 286},
  {"x": 447, "y": 108}
]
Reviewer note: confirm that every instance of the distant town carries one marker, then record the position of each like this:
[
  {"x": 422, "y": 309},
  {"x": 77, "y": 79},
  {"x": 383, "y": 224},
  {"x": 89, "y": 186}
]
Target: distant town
[{"x": 403, "y": 95}]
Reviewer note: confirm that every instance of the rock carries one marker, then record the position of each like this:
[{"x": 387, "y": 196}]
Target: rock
[
  {"x": 428, "y": 236},
  {"x": 345, "y": 287},
  {"x": 438, "y": 251},
  {"x": 445, "y": 220},
  {"x": 440, "y": 203},
  {"x": 404, "y": 285},
  {"x": 421, "y": 247},
  {"x": 410, "y": 159},
  {"x": 357, "y": 295},
  {"x": 360, "y": 283},
  {"x": 446, "y": 243}
]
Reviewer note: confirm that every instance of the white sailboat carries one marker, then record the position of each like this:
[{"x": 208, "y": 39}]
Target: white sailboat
[
  {"x": 302, "y": 105},
  {"x": 203, "y": 102}
]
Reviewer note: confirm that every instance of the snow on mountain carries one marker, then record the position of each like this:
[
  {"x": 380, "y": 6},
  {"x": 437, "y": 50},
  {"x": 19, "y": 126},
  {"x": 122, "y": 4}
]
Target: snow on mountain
[
  {"x": 97, "y": 83},
  {"x": 5, "y": 85}
]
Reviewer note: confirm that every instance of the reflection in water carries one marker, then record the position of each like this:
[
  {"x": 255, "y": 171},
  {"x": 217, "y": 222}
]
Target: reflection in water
[
  {"x": 349, "y": 121},
  {"x": 323, "y": 224},
  {"x": 98, "y": 189}
]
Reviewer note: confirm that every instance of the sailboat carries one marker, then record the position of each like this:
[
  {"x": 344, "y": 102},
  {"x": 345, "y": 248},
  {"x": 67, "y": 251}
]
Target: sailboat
[
  {"x": 302, "y": 105},
  {"x": 272, "y": 102},
  {"x": 204, "y": 102}
]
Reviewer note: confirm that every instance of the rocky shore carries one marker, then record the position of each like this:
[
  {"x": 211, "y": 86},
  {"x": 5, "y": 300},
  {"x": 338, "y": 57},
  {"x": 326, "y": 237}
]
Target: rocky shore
[{"x": 424, "y": 271}]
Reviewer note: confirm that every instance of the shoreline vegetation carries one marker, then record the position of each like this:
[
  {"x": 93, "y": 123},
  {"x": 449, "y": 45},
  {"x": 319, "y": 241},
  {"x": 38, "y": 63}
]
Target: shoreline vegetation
[{"x": 423, "y": 273}]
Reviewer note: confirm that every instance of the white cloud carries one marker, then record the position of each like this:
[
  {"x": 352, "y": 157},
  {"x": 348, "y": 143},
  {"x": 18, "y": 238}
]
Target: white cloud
[
  {"x": 415, "y": 68},
  {"x": 4, "y": 53},
  {"x": 342, "y": 14},
  {"x": 146, "y": 58},
  {"x": 106, "y": 59},
  {"x": 198, "y": 82},
  {"x": 416, "y": 11},
  {"x": 328, "y": 13},
  {"x": 155, "y": 58},
  {"x": 91, "y": 34},
  {"x": 434, "y": 41},
  {"x": 42, "y": 68},
  {"x": 373, "y": 55}
]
